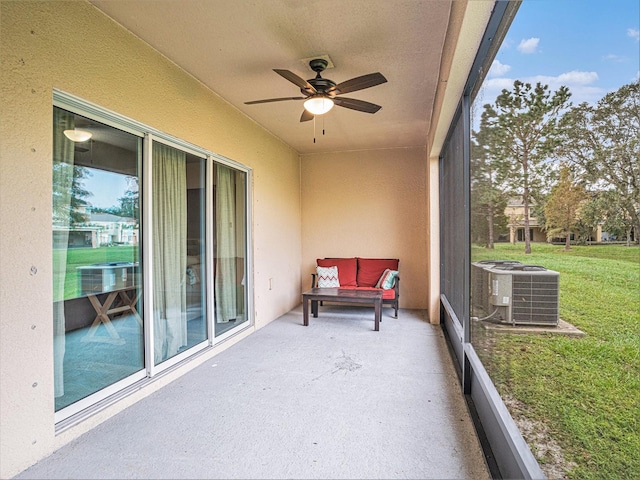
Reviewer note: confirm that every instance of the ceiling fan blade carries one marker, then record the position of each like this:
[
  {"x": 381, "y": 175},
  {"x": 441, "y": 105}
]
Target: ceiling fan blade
[
  {"x": 306, "y": 116},
  {"x": 355, "y": 104},
  {"x": 359, "y": 83},
  {"x": 269, "y": 100},
  {"x": 295, "y": 79}
]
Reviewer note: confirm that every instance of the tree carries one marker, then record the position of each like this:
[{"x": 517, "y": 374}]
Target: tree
[
  {"x": 129, "y": 203},
  {"x": 69, "y": 203},
  {"x": 488, "y": 220},
  {"x": 524, "y": 132},
  {"x": 616, "y": 219},
  {"x": 589, "y": 217},
  {"x": 488, "y": 198},
  {"x": 603, "y": 142},
  {"x": 562, "y": 206}
]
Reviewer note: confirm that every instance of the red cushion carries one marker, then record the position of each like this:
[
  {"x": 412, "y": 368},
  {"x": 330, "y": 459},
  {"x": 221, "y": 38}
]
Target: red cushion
[
  {"x": 371, "y": 269},
  {"x": 346, "y": 269},
  {"x": 386, "y": 294}
]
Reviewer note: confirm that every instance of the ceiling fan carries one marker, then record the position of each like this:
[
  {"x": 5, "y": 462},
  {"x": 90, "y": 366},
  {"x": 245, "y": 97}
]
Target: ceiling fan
[{"x": 321, "y": 94}]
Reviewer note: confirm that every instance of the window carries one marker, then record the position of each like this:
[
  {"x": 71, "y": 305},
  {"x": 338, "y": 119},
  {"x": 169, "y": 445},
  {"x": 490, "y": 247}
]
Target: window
[
  {"x": 553, "y": 320},
  {"x": 230, "y": 248},
  {"x": 179, "y": 256},
  {"x": 147, "y": 269},
  {"x": 98, "y": 326}
]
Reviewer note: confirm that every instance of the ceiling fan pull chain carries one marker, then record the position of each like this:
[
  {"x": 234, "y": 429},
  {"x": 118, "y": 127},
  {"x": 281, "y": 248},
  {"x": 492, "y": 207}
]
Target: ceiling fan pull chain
[
  {"x": 314, "y": 129},
  {"x": 323, "y": 125}
]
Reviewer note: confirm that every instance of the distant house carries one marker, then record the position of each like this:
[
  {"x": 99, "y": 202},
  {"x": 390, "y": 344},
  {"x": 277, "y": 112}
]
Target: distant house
[
  {"x": 114, "y": 230},
  {"x": 514, "y": 212},
  {"x": 101, "y": 229}
]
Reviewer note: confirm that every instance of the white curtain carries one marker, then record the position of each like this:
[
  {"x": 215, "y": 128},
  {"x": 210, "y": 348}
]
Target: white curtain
[
  {"x": 169, "y": 251},
  {"x": 225, "y": 276},
  {"x": 62, "y": 183}
]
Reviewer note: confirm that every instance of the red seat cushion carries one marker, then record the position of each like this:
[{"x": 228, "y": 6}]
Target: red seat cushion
[
  {"x": 371, "y": 269},
  {"x": 347, "y": 268},
  {"x": 386, "y": 294}
]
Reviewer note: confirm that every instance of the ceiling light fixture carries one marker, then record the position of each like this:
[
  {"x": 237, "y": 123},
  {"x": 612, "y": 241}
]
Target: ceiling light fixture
[
  {"x": 318, "y": 104},
  {"x": 76, "y": 135}
]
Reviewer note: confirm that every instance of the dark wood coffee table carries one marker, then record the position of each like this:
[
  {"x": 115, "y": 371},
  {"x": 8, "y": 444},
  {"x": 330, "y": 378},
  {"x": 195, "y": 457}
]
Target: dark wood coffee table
[{"x": 341, "y": 295}]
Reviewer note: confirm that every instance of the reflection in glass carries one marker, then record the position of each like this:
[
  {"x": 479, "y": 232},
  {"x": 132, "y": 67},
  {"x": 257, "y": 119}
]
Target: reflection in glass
[
  {"x": 230, "y": 248},
  {"x": 98, "y": 337},
  {"x": 178, "y": 251}
]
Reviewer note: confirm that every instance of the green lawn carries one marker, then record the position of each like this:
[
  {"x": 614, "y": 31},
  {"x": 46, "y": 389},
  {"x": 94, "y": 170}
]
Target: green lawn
[
  {"x": 77, "y": 257},
  {"x": 585, "y": 391}
]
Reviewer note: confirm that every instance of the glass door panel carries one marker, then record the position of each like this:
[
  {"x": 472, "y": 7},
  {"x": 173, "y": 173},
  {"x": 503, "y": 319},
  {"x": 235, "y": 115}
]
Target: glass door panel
[
  {"x": 230, "y": 266},
  {"x": 98, "y": 328},
  {"x": 195, "y": 274},
  {"x": 178, "y": 204}
]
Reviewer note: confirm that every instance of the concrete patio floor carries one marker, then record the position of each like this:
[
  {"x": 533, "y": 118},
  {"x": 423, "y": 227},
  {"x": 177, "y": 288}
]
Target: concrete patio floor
[{"x": 332, "y": 400}]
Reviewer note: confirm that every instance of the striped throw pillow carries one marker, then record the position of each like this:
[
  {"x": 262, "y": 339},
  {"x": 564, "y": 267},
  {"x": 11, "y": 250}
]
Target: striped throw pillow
[
  {"x": 328, "y": 277},
  {"x": 387, "y": 279}
]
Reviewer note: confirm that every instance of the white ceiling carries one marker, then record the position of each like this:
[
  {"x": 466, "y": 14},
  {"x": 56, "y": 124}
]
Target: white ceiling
[{"x": 232, "y": 46}]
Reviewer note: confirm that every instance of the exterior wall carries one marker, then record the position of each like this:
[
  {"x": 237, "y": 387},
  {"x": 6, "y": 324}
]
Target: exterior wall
[
  {"x": 73, "y": 47},
  {"x": 538, "y": 235},
  {"x": 433, "y": 228},
  {"x": 514, "y": 211},
  {"x": 370, "y": 203}
]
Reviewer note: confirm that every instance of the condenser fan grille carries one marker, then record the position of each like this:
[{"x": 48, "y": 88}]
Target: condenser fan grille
[{"x": 535, "y": 299}]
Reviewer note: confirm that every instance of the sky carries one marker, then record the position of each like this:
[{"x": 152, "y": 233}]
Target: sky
[
  {"x": 590, "y": 46},
  {"x": 106, "y": 187}
]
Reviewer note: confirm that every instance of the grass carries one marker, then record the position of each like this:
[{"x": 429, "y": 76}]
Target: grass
[
  {"x": 77, "y": 257},
  {"x": 584, "y": 391}
]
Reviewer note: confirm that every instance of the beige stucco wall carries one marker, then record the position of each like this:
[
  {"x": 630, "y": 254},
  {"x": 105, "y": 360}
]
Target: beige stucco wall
[
  {"x": 370, "y": 203},
  {"x": 71, "y": 46},
  {"x": 433, "y": 244}
]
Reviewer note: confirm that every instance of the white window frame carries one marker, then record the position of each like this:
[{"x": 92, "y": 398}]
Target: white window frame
[{"x": 78, "y": 411}]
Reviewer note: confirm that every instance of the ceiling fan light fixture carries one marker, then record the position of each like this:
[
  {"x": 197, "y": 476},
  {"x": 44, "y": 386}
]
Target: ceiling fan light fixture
[
  {"x": 318, "y": 104},
  {"x": 77, "y": 135}
]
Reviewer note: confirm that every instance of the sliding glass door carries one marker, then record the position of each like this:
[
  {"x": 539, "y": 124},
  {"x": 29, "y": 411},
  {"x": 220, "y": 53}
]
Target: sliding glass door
[
  {"x": 179, "y": 281},
  {"x": 173, "y": 239},
  {"x": 97, "y": 306},
  {"x": 230, "y": 248}
]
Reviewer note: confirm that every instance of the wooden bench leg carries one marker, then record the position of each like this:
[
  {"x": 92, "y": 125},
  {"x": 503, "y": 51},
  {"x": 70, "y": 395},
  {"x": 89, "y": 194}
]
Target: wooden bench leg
[
  {"x": 305, "y": 311},
  {"x": 377, "y": 315}
]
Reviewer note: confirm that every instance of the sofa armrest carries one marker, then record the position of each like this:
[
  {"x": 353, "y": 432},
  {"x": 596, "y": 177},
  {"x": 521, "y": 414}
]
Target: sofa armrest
[
  {"x": 313, "y": 280},
  {"x": 396, "y": 286}
]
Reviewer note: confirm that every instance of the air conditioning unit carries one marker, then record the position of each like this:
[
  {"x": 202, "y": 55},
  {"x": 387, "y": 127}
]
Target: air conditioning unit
[
  {"x": 107, "y": 277},
  {"x": 525, "y": 294},
  {"x": 480, "y": 288}
]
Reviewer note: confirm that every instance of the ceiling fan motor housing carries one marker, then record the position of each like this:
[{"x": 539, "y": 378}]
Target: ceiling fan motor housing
[
  {"x": 320, "y": 84},
  {"x": 318, "y": 64}
]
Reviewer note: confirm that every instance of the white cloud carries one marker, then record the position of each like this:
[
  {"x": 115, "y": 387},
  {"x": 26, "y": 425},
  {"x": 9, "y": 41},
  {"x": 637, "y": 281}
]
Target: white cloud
[
  {"x": 612, "y": 57},
  {"x": 530, "y": 45},
  {"x": 633, "y": 33},
  {"x": 497, "y": 84},
  {"x": 498, "y": 69},
  {"x": 577, "y": 78},
  {"x": 578, "y": 83}
]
